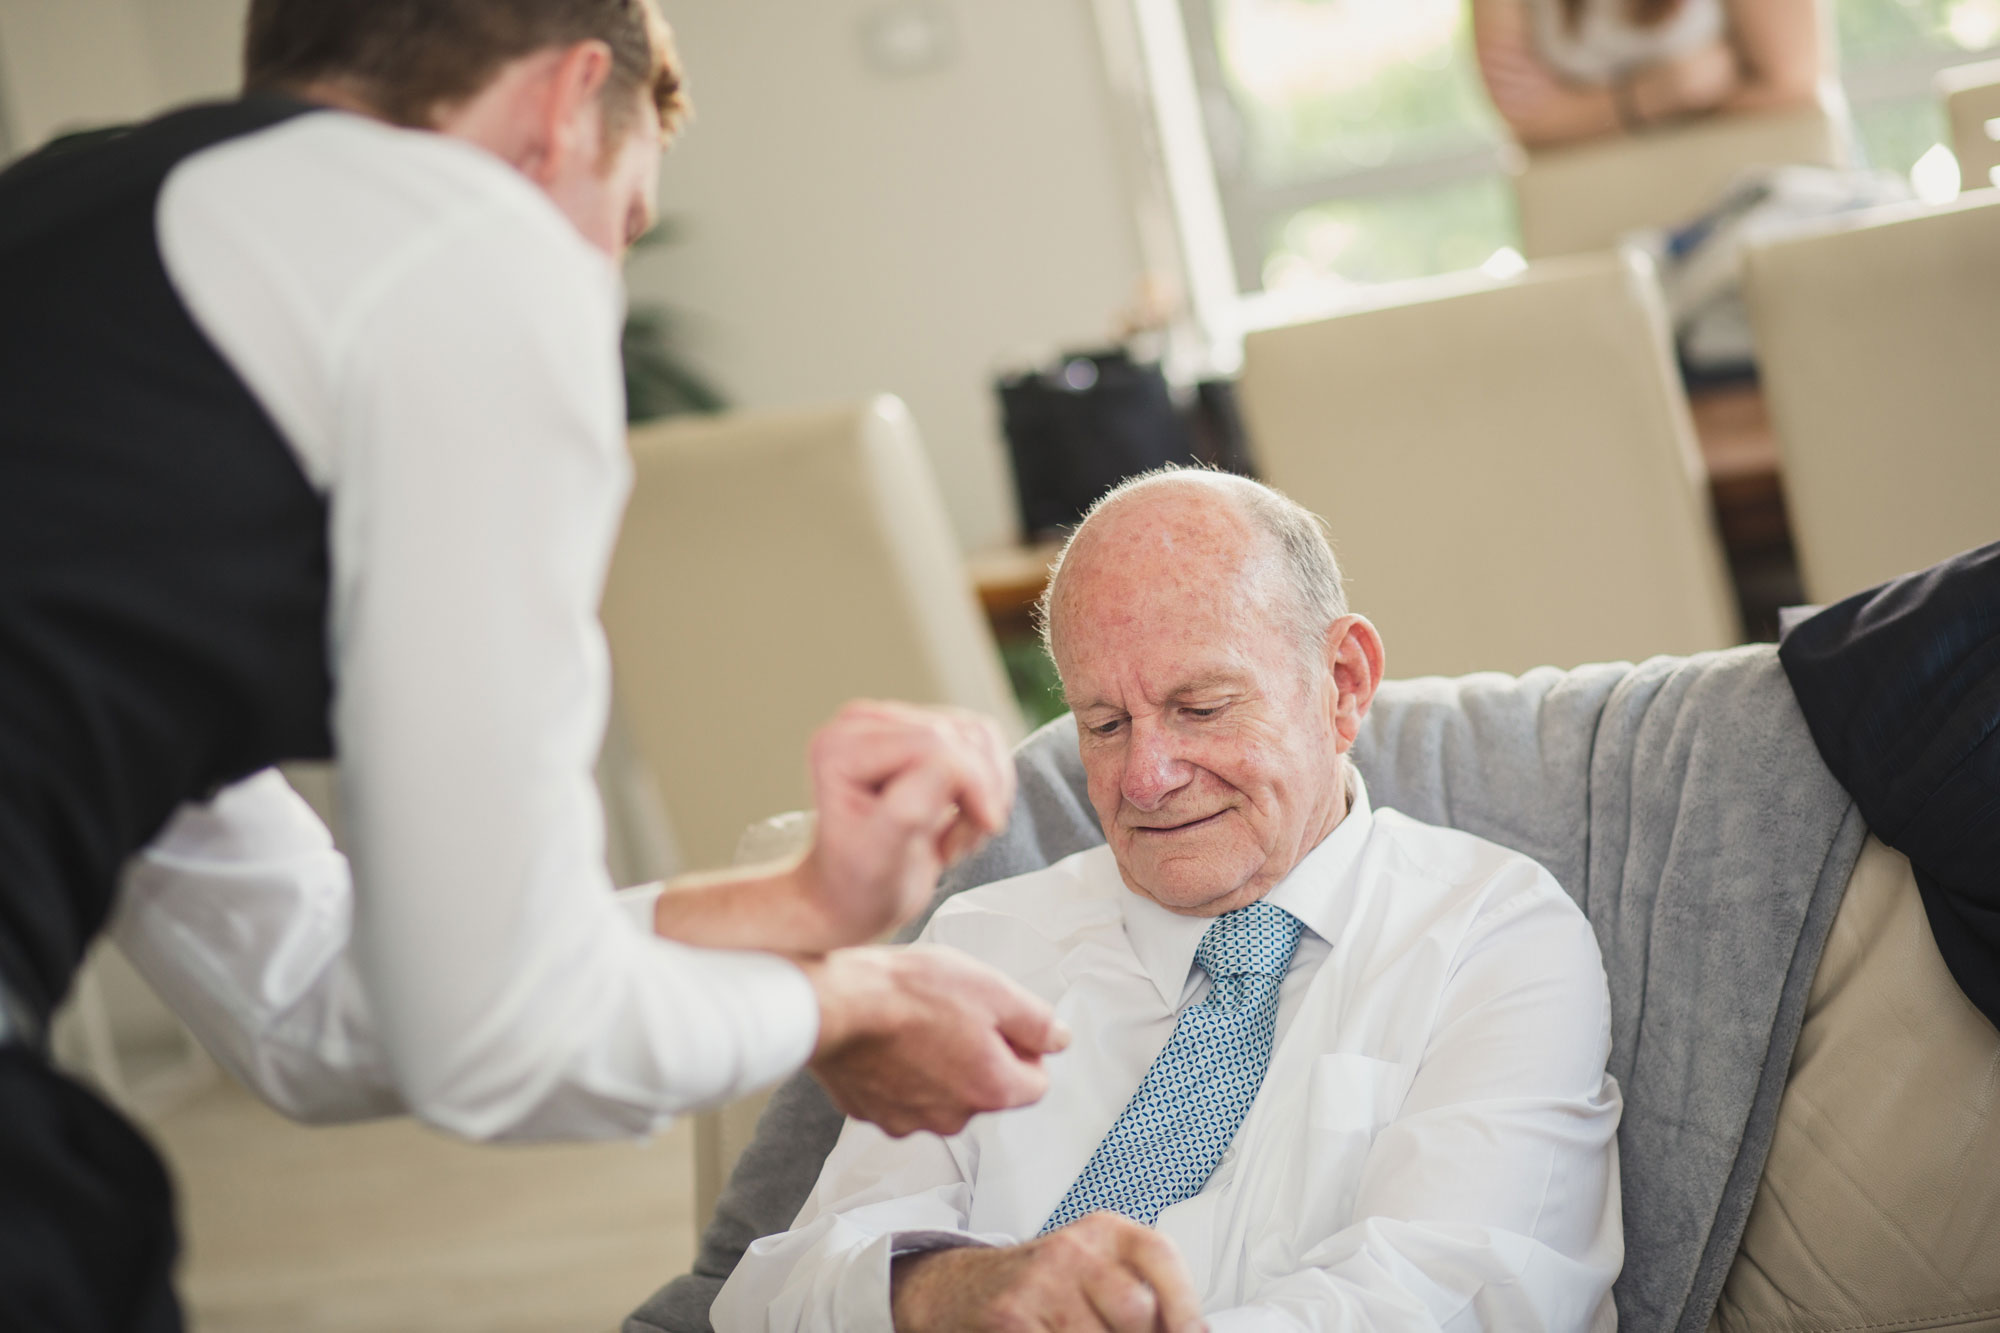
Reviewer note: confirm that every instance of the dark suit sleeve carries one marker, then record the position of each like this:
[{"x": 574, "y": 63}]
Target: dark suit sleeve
[{"x": 1901, "y": 688}]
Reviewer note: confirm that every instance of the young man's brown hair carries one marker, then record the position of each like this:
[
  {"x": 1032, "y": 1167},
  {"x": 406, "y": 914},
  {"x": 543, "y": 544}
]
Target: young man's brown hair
[{"x": 409, "y": 59}]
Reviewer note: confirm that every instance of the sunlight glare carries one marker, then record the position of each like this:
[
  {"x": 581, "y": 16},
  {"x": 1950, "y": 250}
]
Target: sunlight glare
[
  {"x": 1935, "y": 176},
  {"x": 1974, "y": 24},
  {"x": 1282, "y": 49}
]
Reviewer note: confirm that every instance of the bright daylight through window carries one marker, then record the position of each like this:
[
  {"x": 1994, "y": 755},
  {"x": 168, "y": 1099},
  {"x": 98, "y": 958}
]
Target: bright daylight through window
[{"x": 1353, "y": 142}]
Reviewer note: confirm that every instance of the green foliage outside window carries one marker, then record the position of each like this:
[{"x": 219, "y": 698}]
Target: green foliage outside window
[{"x": 1037, "y": 687}]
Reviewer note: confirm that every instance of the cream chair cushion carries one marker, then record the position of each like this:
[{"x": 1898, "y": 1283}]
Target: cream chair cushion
[
  {"x": 1876, "y": 337},
  {"x": 1507, "y": 467},
  {"x": 1588, "y": 196},
  {"x": 772, "y": 566},
  {"x": 1879, "y": 1208}
]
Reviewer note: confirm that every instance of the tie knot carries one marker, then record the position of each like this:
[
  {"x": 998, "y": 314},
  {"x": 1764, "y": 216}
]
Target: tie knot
[{"x": 1257, "y": 938}]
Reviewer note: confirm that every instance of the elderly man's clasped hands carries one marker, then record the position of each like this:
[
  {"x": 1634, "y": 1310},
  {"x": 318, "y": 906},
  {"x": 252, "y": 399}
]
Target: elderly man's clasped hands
[{"x": 1103, "y": 1271}]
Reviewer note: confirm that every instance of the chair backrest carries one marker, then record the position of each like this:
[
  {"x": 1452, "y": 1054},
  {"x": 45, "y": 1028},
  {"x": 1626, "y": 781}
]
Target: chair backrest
[
  {"x": 1508, "y": 468},
  {"x": 1875, "y": 337},
  {"x": 1587, "y": 196},
  {"x": 1971, "y": 96},
  {"x": 1879, "y": 1200},
  {"x": 773, "y": 565}
]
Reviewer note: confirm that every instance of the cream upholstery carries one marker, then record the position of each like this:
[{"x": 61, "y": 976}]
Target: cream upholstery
[
  {"x": 1507, "y": 468},
  {"x": 721, "y": 1135},
  {"x": 1880, "y": 1206},
  {"x": 772, "y": 566},
  {"x": 1587, "y": 196},
  {"x": 1971, "y": 101},
  {"x": 1876, "y": 337}
]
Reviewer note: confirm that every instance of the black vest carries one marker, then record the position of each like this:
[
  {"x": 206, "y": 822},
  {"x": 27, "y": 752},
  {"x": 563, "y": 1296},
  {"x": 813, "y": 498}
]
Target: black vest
[{"x": 163, "y": 562}]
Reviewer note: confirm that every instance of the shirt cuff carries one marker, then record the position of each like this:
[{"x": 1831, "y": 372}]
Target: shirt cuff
[
  {"x": 864, "y": 1299},
  {"x": 639, "y": 902},
  {"x": 770, "y": 1007}
]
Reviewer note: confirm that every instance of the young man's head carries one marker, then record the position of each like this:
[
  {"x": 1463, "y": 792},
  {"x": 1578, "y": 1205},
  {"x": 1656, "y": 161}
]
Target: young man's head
[{"x": 578, "y": 95}]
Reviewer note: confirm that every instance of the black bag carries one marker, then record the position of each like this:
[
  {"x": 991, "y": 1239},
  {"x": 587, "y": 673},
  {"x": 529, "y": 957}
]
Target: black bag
[{"x": 1079, "y": 429}]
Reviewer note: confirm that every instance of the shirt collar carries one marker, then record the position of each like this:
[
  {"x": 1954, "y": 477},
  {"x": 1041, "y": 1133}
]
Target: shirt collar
[{"x": 1165, "y": 941}]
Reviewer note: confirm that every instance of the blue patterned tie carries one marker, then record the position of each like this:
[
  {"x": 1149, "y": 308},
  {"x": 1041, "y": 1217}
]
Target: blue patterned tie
[{"x": 1187, "y": 1109}]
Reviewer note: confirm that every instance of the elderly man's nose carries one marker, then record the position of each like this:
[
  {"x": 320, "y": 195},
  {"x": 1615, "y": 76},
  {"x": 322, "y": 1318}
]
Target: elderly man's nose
[{"x": 1153, "y": 772}]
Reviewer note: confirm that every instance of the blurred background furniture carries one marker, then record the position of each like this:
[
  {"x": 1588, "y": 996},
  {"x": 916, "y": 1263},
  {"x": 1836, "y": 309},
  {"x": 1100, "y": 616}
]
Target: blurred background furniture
[
  {"x": 1507, "y": 467},
  {"x": 1588, "y": 196},
  {"x": 772, "y": 566},
  {"x": 1877, "y": 337},
  {"x": 1971, "y": 96}
]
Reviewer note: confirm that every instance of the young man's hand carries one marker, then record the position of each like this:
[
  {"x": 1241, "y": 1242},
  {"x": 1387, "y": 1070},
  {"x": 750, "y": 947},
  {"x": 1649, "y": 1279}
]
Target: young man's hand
[
  {"x": 1100, "y": 1274},
  {"x": 901, "y": 793},
  {"x": 925, "y": 1038}
]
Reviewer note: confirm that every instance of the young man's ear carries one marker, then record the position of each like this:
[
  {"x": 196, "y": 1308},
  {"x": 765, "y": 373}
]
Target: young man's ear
[{"x": 567, "y": 110}]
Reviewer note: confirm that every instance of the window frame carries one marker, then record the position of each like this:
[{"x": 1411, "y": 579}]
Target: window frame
[{"x": 1241, "y": 213}]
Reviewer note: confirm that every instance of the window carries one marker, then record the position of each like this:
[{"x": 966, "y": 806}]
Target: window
[
  {"x": 1351, "y": 138},
  {"x": 1891, "y": 50},
  {"x": 1353, "y": 142}
]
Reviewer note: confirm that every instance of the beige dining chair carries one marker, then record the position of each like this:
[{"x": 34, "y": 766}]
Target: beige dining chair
[
  {"x": 1876, "y": 337},
  {"x": 773, "y": 565},
  {"x": 1507, "y": 467},
  {"x": 1588, "y": 196},
  {"x": 1971, "y": 95}
]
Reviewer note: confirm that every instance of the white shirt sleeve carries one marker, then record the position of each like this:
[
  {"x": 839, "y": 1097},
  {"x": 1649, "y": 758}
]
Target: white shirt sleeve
[
  {"x": 238, "y": 914},
  {"x": 441, "y": 350},
  {"x": 1491, "y": 1201},
  {"x": 480, "y": 476},
  {"x": 877, "y": 1197}
]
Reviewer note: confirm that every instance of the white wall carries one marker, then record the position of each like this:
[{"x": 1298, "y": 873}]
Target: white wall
[
  {"x": 847, "y": 231},
  {"x": 69, "y": 64},
  {"x": 850, "y": 232},
  {"x": 195, "y": 46}
]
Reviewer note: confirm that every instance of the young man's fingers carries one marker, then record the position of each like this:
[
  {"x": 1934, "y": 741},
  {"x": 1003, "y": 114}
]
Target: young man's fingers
[
  {"x": 874, "y": 740},
  {"x": 1029, "y": 1025}
]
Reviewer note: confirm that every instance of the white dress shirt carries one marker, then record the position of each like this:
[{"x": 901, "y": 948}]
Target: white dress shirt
[
  {"x": 1433, "y": 1146},
  {"x": 440, "y": 349}
]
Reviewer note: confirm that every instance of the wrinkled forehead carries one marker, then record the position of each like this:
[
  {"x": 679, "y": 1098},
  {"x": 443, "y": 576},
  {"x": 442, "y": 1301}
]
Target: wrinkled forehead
[{"x": 1160, "y": 588}]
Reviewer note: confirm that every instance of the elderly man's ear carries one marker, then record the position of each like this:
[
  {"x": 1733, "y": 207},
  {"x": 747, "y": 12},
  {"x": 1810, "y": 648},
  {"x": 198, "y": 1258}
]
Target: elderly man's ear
[{"x": 1354, "y": 655}]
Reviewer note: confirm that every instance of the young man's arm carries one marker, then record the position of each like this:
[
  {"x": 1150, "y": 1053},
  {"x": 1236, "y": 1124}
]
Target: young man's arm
[{"x": 457, "y": 397}]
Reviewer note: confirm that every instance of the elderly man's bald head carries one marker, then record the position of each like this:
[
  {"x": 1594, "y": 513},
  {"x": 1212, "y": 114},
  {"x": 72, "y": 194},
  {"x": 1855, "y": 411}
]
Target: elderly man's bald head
[
  {"x": 1198, "y": 525},
  {"x": 1217, "y": 680}
]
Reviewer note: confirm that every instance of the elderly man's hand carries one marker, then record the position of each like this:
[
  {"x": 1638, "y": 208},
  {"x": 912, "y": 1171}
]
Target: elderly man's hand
[
  {"x": 902, "y": 792},
  {"x": 1101, "y": 1272},
  {"x": 925, "y": 1038}
]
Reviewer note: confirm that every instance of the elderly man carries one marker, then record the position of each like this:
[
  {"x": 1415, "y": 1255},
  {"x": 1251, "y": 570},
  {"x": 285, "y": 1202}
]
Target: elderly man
[{"x": 1332, "y": 1068}]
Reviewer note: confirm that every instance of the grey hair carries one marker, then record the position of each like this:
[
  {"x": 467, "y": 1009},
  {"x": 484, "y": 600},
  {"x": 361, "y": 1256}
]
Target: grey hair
[{"x": 1312, "y": 581}]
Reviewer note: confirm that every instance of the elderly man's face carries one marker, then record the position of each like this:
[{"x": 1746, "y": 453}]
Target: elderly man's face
[{"x": 1212, "y": 748}]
